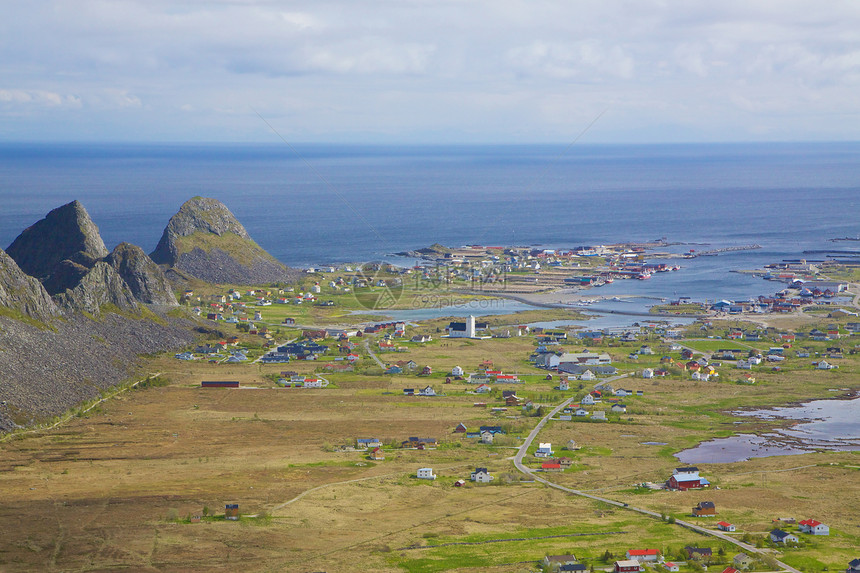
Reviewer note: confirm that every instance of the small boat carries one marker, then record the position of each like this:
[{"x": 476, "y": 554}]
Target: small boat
[{"x": 644, "y": 276}]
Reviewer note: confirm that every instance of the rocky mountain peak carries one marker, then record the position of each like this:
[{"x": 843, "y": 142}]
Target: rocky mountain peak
[
  {"x": 66, "y": 233},
  {"x": 205, "y": 240},
  {"x": 197, "y": 215}
]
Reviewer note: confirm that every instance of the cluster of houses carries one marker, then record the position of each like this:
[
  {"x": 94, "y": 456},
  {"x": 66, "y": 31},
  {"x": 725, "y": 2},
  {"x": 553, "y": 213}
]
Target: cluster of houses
[
  {"x": 487, "y": 265},
  {"x": 637, "y": 560},
  {"x": 231, "y": 309},
  {"x": 302, "y": 350},
  {"x": 599, "y": 396},
  {"x": 426, "y": 391},
  {"x": 302, "y": 381},
  {"x": 582, "y": 365},
  {"x": 222, "y": 350},
  {"x": 375, "y": 451},
  {"x": 486, "y": 434},
  {"x": 407, "y": 367},
  {"x": 214, "y": 354},
  {"x": 808, "y": 526},
  {"x": 799, "y": 293}
]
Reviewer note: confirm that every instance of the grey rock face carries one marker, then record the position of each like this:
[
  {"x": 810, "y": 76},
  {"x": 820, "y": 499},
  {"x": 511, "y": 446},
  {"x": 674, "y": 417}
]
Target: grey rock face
[
  {"x": 144, "y": 278},
  {"x": 101, "y": 285},
  {"x": 66, "y": 233},
  {"x": 23, "y": 293}
]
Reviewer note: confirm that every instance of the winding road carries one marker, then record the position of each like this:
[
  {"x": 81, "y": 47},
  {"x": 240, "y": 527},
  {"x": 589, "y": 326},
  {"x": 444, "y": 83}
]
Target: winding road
[{"x": 518, "y": 462}]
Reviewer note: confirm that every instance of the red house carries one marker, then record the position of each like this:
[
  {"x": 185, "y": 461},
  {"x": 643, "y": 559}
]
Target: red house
[
  {"x": 686, "y": 478},
  {"x": 627, "y": 566}
]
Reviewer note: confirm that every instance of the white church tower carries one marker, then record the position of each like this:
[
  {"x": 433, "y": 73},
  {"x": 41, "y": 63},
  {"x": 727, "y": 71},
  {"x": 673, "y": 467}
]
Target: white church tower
[{"x": 470, "y": 327}]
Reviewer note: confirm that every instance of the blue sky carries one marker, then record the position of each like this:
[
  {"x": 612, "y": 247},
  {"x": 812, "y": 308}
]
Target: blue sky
[{"x": 434, "y": 71}]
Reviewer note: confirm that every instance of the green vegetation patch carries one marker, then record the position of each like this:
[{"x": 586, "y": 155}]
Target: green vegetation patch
[{"x": 230, "y": 243}]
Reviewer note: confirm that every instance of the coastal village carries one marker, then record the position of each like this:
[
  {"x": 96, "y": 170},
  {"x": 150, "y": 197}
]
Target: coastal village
[
  {"x": 421, "y": 435},
  {"x": 601, "y": 376}
]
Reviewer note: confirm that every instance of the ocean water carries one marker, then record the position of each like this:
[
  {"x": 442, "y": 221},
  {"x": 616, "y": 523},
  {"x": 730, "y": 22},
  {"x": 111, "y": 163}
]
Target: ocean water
[{"x": 331, "y": 204}]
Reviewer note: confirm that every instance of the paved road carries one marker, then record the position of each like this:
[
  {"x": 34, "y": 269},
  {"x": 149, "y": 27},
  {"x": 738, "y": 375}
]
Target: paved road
[
  {"x": 518, "y": 462},
  {"x": 372, "y": 355}
]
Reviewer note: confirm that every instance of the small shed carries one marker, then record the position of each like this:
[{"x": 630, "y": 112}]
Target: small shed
[{"x": 231, "y": 511}]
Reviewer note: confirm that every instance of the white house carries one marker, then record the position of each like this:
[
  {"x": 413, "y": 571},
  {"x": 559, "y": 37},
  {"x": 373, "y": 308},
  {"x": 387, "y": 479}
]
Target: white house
[
  {"x": 482, "y": 389},
  {"x": 648, "y": 373},
  {"x": 456, "y": 371},
  {"x": 425, "y": 473},
  {"x": 486, "y": 437},
  {"x": 780, "y": 536},
  {"x": 644, "y": 555},
  {"x": 588, "y": 400},
  {"x": 814, "y": 527},
  {"x": 544, "y": 450},
  {"x": 581, "y": 412},
  {"x": 481, "y": 475},
  {"x": 824, "y": 365},
  {"x": 587, "y": 375},
  {"x": 428, "y": 391},
  {"x": 564, "y": 385}
]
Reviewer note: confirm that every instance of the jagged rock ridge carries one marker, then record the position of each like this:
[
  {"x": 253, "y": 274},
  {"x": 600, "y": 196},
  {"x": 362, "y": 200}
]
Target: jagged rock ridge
[
  {"x": 205, "y": 240},
  {"x": 146, "y": 280},
  {"x": 67, "y": 254},
  {"x": 101, "y": 285}
]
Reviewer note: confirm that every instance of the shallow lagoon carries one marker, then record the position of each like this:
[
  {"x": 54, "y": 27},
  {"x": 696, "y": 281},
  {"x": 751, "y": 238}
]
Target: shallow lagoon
[{"x": 828, "y": 425}]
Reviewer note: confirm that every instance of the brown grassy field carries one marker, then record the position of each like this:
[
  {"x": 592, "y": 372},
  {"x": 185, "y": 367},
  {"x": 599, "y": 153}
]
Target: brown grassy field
[{"x": 112, "y": 490}]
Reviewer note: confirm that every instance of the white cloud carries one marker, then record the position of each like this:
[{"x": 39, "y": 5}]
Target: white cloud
[
  {"x": 506, "y": 68},
  {"x": 40, "y": 98}
]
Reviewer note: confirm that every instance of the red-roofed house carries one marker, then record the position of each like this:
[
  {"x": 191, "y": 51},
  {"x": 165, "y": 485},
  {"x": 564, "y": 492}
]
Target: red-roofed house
[
  {"x": 551, "y": 467},
  {"x": 644, "y": 555},
  {"x": 725, "y": 526},
  {"x": 814, "y": 527},
  {"x": 730, "y": 570}
]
